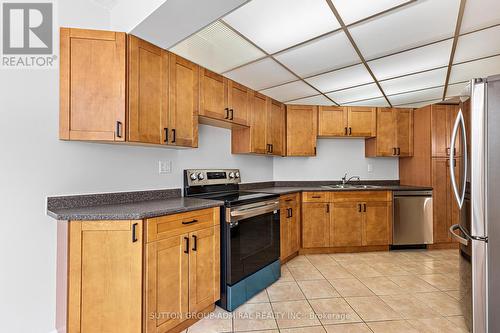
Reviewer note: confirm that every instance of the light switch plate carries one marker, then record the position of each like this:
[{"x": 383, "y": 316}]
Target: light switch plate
[
  {"x": 370, "y": 168},
  {"x": 164, "y": 167}
]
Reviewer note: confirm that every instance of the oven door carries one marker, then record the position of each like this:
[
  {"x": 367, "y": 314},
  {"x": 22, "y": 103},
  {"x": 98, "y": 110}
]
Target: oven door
[{"x": 254, "y": 239}]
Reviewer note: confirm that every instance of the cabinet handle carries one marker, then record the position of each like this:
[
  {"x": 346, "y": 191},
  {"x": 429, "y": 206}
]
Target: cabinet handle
[
  {"x": 173, "y": 135},
  {"x": 134, "y": 233},
  {"x": 315, "y": 151},
  {"x": 316, "y": 196},
  {"x": 399, "y": 151},
  {"x": 227, "y": 113},
  {"x": 328, "y": 208},
  {"x": 394, "y": 151},
  {"x": 448, "y": 151},
  {"x": 271, "y": 146},
  {"x": 350, "y": 131},
  {"x": 195, "y": 241},
  {"x": 119, "y": 129},
  {"x": 232, "y": 114},
  {"x": 190, "y": 222},
  {"x": 291, "y": 212},
  {"x": 345, "y": 130},
  {"x": 166, "y": 135},
  {"x": 364, "y": 208},
  {"x": 187, "y": 244},
  {"x": 288, "y": 200},
  {"x": 359, "y": 208}
]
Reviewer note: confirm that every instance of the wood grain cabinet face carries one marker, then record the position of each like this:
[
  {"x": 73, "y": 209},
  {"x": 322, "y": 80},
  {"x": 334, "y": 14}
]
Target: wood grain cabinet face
[
  {"x": 377, "y": 223},
  {"x": 404, "y": 132},
  {"x": 442, "y": 121},
  {"x": 92, "y": 85},
  {"x": 347, "y": 218},
  {"x": 258, "y": 123},
  {"x": 276, "y": 125},
  {"x": 167, "y": 282},
  {"x": 301, "y": 130},
  {"x": 183, "y": 102},
  {"x": 332, "y": 121},
  {"x": 289, "y": 225},
  {"x": 362, "y": 121},
  {"x": 101, "y": 252},
  {"x": 212, "y": 95},
  {"x": 315, "y": 225},
  {"x": 147, "y": 77},
  {"x": 238, "y": 101}
]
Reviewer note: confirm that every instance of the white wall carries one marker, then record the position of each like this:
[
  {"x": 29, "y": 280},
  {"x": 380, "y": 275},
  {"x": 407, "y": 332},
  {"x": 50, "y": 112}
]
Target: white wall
[{"x": 334, "y": 158}]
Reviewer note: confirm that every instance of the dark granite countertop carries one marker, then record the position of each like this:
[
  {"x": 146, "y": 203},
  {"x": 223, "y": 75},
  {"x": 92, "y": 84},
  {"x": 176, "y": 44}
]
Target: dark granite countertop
[
  {"x": 295, "y": 189},
  {"x": 133, "y": 210}
]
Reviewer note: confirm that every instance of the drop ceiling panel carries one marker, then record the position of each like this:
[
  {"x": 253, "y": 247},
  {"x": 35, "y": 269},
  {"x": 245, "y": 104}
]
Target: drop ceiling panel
[
  {"x": 330, "y": 52},
  {"x": 261, "y": 74},
  {"x": 375, "y": 102},
  {"x": 368, "y": 91},
  {"x": 354, "y": 10},
  {"x": 289, "y": 91},
  {"x": 408, "y": 62},
  {"x": 476, "y": 45},
  {"x": 417, "y": 96},
  {"x": 479, "y": 14},
  {"x": 457, "y": 89},
  {"x": 277, "y": 24},
  {"x": 342, "y": 78},
  {"x": 420, "y": 104},
  {"x": 314, "y": 100},
  {"x": 475, "y": 69},
  {"x": 217, "y": 48},
  {"x": 413, "y": 25},
  {"x": 415, "y": 82}
]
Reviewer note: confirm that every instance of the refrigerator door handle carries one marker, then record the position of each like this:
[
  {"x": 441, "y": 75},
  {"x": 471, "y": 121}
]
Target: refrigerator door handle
[
  {"x": 464, "y": 240},
  {"x": 459, "y": 123}
]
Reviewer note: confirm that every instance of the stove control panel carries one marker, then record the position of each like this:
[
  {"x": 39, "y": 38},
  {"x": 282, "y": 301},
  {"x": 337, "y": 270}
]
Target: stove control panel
[{"x": 201, "y": 177}]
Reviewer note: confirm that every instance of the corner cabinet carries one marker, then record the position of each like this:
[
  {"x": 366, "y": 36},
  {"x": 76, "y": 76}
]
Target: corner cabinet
[
  {"x": 140, "y": 275},
  {"x": 394, "y": 134},
  {"x": 301, "y": 130},
  {"x": 92, "y": 85}
]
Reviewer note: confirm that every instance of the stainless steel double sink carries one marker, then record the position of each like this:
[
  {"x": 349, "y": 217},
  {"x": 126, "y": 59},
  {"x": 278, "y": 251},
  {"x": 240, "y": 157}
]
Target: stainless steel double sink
[{"x": 350, "y": 186}]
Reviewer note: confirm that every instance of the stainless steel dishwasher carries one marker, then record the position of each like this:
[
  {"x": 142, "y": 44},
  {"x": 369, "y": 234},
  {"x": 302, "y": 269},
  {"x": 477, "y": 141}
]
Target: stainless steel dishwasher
[{"x": 413, "y": 223}]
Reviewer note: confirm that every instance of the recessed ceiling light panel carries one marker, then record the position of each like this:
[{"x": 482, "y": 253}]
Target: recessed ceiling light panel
[
  {"x": 415, "y": 82},
  {"x": 314, "y": 100},
  {"x": 480, "y": 44},
  {"x": 290, "y": 91},
  {"x": 342, "y": 78},
  {"x": 479, "y": 14},
  {"x": 367, "y": 91},
  {"x": 475, "y": 69},
  {"x": 355, "y": 10},
  {"x": 416, "y": 96}
]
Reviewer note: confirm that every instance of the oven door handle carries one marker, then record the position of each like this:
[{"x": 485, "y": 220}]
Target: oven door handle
[{"x": 240, "y": 214}]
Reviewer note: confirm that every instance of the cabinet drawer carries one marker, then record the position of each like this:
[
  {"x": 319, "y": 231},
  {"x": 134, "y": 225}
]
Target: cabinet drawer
[
  {"x": 289, "y": 199},
  {"x": 365, "y": 196},
  {"x": 173, "y": 225},
  {"x": 316, "y": 196}
]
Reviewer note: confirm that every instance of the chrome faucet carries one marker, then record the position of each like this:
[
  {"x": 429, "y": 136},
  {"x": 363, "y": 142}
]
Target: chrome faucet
[{"x": 345, "y": 180}]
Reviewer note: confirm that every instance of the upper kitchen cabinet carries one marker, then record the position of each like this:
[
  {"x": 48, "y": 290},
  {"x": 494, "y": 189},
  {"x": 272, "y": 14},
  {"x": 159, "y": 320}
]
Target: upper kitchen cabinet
[
  {"x": 301, "y": 130},
  {"x": 92, "y": 85},
  {"x": 222, "y": 101},
  {"x": 338, "y": 121},
  {"x": 394, "y": 134},
  {"x": 442, "y": 121},
  {"x": 183, "y": 102},
  {"x": 267, "y": 128},
  {"x": 148, "y": 79},
  {"x": 332, "y": 121}
]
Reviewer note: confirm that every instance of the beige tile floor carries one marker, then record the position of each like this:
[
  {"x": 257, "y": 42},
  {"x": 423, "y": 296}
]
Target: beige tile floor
[{"x": 378, "y": 292}]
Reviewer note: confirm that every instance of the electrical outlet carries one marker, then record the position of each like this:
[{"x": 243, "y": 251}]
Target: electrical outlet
[
  {"x": 164, "y": 167},
  {"x": 370, "y": 168}
]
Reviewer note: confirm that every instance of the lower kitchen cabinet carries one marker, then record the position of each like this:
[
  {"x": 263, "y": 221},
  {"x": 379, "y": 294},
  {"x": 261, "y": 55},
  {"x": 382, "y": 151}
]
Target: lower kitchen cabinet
[
  {"x": 289, "y": 225},
  {"x": 377, "y": 223},
  {"x": 315, "y": 224},
  {"x": 345, "y": 229},
  {"x": 111, "y": 289}
]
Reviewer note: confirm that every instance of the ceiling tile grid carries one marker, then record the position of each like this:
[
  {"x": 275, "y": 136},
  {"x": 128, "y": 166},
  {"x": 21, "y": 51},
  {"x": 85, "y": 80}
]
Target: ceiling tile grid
[
  {"x": 290, "y": 91},
  {"x": 374, "y": 102},
  {"x": 479, "y": 14},
  {"x": 344, "y": 96},
  {"x": 479, "y": 44},
  {"x": 313, "y": 100},
  {"x": 341, "y": 79},
  {"x": 479, "y": 68},
  {"x": 413, "y": 82},
  {"x": 262, "y": 74},
  {"x": 354, "y": 10},
  {"x": 417, "y": 96}
]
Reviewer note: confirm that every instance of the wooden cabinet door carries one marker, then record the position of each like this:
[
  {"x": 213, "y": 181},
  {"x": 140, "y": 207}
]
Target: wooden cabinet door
[
  {"x": 105, "y": 276},
  {"x": 183, "y": 101},
  {"x": 451, "y": 116},
  {"x": 362, "y": 121},
  {"x": 276, "y": 128},
  {"x": 376, "y": 228},
  {"x": 166, "y": 284},
  {"x": 440, "y": 199},
  {"x": 239, "y": 102},
  {"x": 258, "y": 123},
  {"x": 346, "y": 223},
  {"x": 332, "y": 121},
  {"x": 204, "y": 268},
  {"x": 284, "y": 231},
  {"x": 315, "y": 225},
  {"x": 92, "y": 85},
  {"x": 294, "y": 229},
  {"x": 386, "y": 132},
  {"x": 147, "y": 77},
  {"x": 404, "y": 132},
  {"x": 439, "y": 130},
  {"x": 301, "y": 130},
  {"x": 212, "y": 93}
]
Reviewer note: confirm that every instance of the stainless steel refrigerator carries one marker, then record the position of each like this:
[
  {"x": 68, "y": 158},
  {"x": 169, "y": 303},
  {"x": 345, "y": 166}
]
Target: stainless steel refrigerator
[{"x": 477, "y": 191}]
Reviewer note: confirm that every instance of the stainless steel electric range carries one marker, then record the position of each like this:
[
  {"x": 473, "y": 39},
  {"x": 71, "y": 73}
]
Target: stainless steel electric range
[{"x": 250, "y": 233}]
